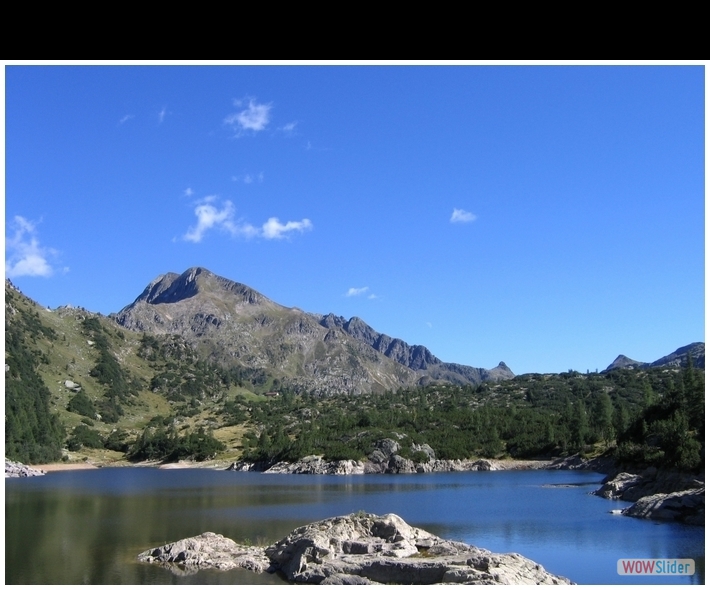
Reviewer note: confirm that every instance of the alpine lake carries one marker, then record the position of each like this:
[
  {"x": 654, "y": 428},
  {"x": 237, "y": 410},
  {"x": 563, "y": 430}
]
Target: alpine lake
[{"x": 88, "y": 526}]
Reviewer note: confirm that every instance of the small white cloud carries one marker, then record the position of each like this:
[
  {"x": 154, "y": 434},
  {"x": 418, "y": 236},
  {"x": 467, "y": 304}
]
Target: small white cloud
[
  {"x": 213, "y": 215},
  {"x": 208, "y": 217},
  {"x": 461, "y": 216},
  {"x": 372, "y": 296},
  {"x": 161, "y": 115},
  {"x": 253, "y": 118},
  {"x": 273, "y": 229},
  {"x": 24, "y": 255},
  {"x": 249, "y": 178},
  {"x": 125, "y": 118},
  {"x": 289, "y": 129},
  {"x": 189, "y": 192},
  {"x": 355, "y": 291},
  {"x": 429, "y": 324}
]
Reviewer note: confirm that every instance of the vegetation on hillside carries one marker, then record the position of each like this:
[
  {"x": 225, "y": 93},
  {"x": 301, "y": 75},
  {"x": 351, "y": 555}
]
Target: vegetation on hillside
[
  {"x": 653, "y": 416},
  {"x": 149, "y": 397},
  {"x": 32, "y": 433}
]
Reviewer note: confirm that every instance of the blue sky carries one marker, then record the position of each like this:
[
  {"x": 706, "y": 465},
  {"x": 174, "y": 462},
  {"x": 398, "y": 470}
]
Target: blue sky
[{"x": 551, "y": 217}]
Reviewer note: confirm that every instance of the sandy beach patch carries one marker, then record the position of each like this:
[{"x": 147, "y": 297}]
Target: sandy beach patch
[{"x": 64, "y": 466}]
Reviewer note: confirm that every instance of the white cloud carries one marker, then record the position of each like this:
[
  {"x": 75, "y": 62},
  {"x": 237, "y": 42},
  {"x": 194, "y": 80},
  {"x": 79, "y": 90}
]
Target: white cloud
[
  {"x": 24, "y": 255},
  {"x": 209, "y": 216},
  {"x": 289, "y": 129},
  {"x": 189, "y": 192},
  {"x": 125, "y": 118},
  {"x": 213, "y": 215},
  {"x": 461, "y": 216},
  {"x": 355, "y": 291},
  {"x": 253, "y": 118},
  {"x": 372, "y": 296},
  {"x": 249, "y": 178},
  {"x": 273, "y": 229},
  {"x": 161, "y": 115}
]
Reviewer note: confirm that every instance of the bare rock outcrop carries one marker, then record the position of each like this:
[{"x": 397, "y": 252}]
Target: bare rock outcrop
[
  {"x": 658, "y": 495},
  {"x": 13, "y": 469},
  {"x": 687, "y": 506},
  {"x": 359, "y": 549},
  {"x": 208, "y": 550}
]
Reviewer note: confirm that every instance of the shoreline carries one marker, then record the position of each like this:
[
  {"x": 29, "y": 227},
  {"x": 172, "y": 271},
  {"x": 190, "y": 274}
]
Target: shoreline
[{"x": 225, "y": 465}]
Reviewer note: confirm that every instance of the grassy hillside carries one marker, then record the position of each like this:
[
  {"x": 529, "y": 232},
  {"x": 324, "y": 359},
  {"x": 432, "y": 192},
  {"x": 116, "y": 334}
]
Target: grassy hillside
[
  {"x": 92, "y": 374},
  {"x": 78, "y": 386}
]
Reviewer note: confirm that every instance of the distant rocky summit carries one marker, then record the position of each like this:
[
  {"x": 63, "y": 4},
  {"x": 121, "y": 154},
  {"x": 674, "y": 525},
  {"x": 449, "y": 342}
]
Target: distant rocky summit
[
  {"x": 357, "y": 549},
  {"x": 327, "y": 354},
  {"x": 678, "y": 358}
]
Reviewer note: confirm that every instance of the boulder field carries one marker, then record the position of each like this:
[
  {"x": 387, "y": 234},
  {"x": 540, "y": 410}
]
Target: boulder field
[{"x": 358, "y": 548}]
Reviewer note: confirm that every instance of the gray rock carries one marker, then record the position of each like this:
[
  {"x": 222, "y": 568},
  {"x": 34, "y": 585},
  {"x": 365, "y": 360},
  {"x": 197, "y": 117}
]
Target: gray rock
[
  {"x": 356, "y": 549},
  {"x": 687, "y": 506},
  {"x": 385, "y": 549},
  {"x": 14, "y": 469},
  {"x": 208, "y": 550},
  {"x": 658, "y": 495},
  {"x": 614, "y": 488}
]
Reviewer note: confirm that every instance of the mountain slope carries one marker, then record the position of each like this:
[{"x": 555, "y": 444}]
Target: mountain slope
[
  {"x": 696, "y": 350},
  {"x": 234, "y": 324}
]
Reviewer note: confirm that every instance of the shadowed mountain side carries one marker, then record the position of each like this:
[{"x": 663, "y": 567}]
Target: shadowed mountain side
[{"x": 232, "y": 323}]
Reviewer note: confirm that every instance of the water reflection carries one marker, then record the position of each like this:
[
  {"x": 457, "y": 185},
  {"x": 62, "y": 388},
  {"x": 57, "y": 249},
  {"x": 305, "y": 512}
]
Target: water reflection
[{"x": 88, "y": 527}]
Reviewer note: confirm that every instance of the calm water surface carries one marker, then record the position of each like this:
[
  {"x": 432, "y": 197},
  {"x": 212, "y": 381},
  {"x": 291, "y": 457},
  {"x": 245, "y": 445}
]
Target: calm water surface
[{"x": 88, "y": 526}]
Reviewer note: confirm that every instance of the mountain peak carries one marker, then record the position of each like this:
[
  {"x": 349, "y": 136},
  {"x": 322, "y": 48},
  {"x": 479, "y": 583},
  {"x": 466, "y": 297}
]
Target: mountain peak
[
  {"x": 235, "y": 324},
  {"x": 172, "y": 288}
]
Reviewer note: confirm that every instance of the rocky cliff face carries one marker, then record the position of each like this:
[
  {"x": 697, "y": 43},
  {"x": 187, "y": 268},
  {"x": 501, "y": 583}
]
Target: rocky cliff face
[{"x": 232, "y": 323}]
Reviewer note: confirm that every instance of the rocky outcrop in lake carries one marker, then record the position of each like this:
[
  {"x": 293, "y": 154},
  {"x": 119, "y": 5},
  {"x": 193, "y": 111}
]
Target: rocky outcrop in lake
[
  {"x": 208, "y": 550},
  {"x": 687, "y": 506},
  {"x": 658, "y": 495},
  {"x": 358, "y": 549},
  {"x": 13, "y": 469}
]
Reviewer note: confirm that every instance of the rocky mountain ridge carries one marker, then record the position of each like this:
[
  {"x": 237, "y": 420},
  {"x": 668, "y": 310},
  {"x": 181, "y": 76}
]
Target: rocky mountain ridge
[
  {"x": 232, "y": 323},
  {"x": 676, "y": 359}
]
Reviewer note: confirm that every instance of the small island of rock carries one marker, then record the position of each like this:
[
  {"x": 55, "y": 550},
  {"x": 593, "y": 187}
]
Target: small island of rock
[{"x": 358, "y": 548}]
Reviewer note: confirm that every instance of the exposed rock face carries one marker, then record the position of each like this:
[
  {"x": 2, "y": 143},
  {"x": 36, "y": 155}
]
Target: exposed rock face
[
  {"x": 658, "y": 495},
  {"x": 234, "y": 324},
  {"x": 208, "y": 550},
  {"x": 687, "y": 506},
  {"x": 415, "y": 357},
  {"x": 630, "y": 487},
  {"x": 613, "y": 489},
  {"x": 362, "y": 549},
  {"x": 13, "y": 469}
]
